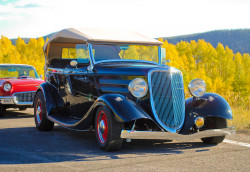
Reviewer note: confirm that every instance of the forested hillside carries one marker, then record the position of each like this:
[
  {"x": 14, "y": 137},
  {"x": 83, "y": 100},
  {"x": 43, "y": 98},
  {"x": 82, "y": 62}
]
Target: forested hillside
[
  {"x": 225, "y": 72},
  {"x": 238, "y": 40},
  {"x": 26, "y": 40}
]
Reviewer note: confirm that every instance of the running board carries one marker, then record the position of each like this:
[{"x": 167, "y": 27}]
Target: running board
[
  {"x": 155, "y": 135},
  {"x": 63, "y": 120},
  {"x": 83, "y": 124}
]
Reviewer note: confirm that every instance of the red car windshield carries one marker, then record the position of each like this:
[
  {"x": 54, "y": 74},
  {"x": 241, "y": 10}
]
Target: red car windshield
[{"x": 18, "y": 71}]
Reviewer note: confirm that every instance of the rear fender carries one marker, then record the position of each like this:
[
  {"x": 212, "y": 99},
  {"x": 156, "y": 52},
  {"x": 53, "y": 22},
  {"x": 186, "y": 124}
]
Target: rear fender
[
  {"x": 53, "y": 100},
  {"x": 209, "y": 105}
]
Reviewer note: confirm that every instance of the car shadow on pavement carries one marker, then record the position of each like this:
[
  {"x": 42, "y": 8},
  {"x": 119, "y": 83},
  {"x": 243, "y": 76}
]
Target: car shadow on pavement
[
  {"x": 15, "y": 113},
  {"x": 28, "y": 145}
]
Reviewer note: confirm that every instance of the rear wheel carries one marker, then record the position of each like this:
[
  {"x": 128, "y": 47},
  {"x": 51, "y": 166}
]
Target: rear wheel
[
  {"x": 40, "y": 114},
  {"x": 215, "y": 123},
  {"x": 108, "y": 130},
  {"x": 2, "y": 110}
]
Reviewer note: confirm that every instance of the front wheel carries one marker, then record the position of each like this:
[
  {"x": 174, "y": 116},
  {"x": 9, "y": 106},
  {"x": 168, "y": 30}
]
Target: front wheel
[
  {"x": 40, "y": 114},
  {"x": 215, "y": 123},
  {"x": 108, "y": 130}
]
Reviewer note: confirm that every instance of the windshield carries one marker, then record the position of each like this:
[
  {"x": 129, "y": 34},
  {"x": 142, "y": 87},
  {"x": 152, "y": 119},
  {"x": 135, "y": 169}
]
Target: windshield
[
  {"x": 79, "y": 52},
  {"x": 125, "y": 52},
  {"x": 18, "y": 71}
]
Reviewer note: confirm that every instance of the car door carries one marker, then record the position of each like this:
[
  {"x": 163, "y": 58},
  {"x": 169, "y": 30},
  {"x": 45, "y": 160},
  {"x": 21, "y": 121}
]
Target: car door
[{"x": 77, "y": 91}]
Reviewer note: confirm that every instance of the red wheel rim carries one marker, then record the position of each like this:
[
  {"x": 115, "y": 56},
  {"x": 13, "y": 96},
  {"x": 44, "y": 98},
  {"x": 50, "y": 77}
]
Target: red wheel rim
[
  {"x": 102, "y": 127},
  {"x": 39, "y": 111}
]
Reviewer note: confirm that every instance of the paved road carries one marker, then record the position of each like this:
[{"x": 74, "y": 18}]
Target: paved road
[{"x": 23, "y": 148}]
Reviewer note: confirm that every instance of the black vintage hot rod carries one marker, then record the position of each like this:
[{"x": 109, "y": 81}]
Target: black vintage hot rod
[{"x": 117, "y": 83}]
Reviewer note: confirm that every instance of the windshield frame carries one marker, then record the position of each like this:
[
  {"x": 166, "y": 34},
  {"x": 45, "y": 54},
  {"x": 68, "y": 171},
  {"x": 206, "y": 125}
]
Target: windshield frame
[
  {"x": 23, "y": 66},
  {"x": 93, "y": 62}
]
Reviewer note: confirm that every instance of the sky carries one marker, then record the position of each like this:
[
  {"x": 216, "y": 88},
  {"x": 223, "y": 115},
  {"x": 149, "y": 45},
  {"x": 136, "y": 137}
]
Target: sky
[{"x": 155, "y": 18}]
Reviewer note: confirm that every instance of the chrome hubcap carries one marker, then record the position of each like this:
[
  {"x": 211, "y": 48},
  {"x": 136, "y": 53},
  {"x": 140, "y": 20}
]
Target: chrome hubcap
[
  {"x": 38, "y": 113},
  {"x": 102, "y": 126}
]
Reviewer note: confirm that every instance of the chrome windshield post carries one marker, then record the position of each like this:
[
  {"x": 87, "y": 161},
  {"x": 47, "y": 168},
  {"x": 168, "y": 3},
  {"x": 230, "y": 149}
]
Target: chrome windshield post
[
  {"x": 91, "y": 55},
  {"x": 159, "y": 55}
]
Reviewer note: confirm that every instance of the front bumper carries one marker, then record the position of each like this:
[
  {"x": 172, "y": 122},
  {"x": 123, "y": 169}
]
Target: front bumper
[
  {"x": 155, "y": 135},
  {"x": 7, "y": 100},
  {"x": 20, "y": 99}
]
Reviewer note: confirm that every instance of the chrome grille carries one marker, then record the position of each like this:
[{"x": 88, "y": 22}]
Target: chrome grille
[
  {"x": 24, "y": 97},
  {"x": 167, "y": 98}
]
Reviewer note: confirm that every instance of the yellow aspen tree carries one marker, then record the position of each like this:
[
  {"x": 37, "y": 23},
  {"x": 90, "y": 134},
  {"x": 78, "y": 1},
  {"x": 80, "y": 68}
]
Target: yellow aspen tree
[
  {"x": 220, "y": 55},
  {"x": 9, "y": 52},
  {"x": 239, "y": 84},
  {"x": 171, "y": 54}
]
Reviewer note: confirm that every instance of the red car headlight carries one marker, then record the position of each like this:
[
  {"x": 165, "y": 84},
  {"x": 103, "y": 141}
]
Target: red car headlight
[{"x": 7, "y": 87}]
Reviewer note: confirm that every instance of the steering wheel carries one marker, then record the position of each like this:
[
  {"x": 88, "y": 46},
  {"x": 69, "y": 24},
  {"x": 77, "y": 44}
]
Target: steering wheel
[{"x": 23, "y": 76}]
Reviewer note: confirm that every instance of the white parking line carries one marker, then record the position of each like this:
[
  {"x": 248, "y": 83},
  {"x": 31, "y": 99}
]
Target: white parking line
[{"x": 237, "y": 143}]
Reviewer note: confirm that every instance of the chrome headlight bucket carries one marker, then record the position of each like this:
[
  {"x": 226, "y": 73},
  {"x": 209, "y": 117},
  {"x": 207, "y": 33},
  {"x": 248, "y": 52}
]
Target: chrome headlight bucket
[
  {"x": 138, "y": 87},
  {"x": 197, "y": 87},
  {"x": 7, "y": 87}
]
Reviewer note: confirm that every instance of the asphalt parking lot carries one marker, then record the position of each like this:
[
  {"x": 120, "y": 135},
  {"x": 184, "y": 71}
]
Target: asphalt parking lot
[{"x": 24, "y": 148}]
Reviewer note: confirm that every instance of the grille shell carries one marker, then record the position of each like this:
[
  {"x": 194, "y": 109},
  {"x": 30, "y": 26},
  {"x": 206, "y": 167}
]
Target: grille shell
[{"x": 167, "y": 98}]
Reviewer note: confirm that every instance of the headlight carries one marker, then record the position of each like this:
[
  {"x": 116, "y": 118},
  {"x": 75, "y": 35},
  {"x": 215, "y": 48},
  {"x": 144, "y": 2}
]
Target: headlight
[
  {"x": 138, "y": 87},
  {"x": 197, "y": 87},
  {"x": 7, "y": 87}
]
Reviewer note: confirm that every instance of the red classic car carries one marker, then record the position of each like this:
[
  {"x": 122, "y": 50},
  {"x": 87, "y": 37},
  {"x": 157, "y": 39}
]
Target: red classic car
[{"x": 18, "y": 84}]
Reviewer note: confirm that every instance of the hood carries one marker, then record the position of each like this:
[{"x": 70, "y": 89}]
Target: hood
[
  {"x": 131, "y": 69},
  {"x": 20, "y": 85},
  {"x": 115, "y": 77}
]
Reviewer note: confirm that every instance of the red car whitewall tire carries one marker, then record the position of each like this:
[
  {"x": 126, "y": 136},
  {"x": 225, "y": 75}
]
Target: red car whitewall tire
[{"x": 2, "y": 110}]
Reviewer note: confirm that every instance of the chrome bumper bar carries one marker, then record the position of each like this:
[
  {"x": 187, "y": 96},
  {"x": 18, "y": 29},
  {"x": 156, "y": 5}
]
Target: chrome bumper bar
[
  {"x": 6, "y": 100},
  {"x": 155, "y": 135},
  {"x": 11, "y": 100}
]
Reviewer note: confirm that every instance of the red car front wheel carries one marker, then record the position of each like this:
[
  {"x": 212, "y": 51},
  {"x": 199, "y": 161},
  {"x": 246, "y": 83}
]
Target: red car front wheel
[{"x": 2, "y": 111}]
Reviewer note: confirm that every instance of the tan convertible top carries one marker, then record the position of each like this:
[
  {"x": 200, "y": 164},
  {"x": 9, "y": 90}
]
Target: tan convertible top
[{"x": 82, "y": 36}]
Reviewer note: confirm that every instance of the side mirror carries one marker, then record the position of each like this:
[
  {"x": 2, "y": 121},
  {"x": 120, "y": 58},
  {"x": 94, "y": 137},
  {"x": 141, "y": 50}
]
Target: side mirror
[
  {"x": 163, "y": 55},
  {"x": 73, "y": 63}
]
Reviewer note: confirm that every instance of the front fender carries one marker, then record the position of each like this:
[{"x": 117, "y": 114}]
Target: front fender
[
  {"x": 209, "y": 105},
  {"x": 124, "y": 110},
  {"x": 53, "y": 100}
]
